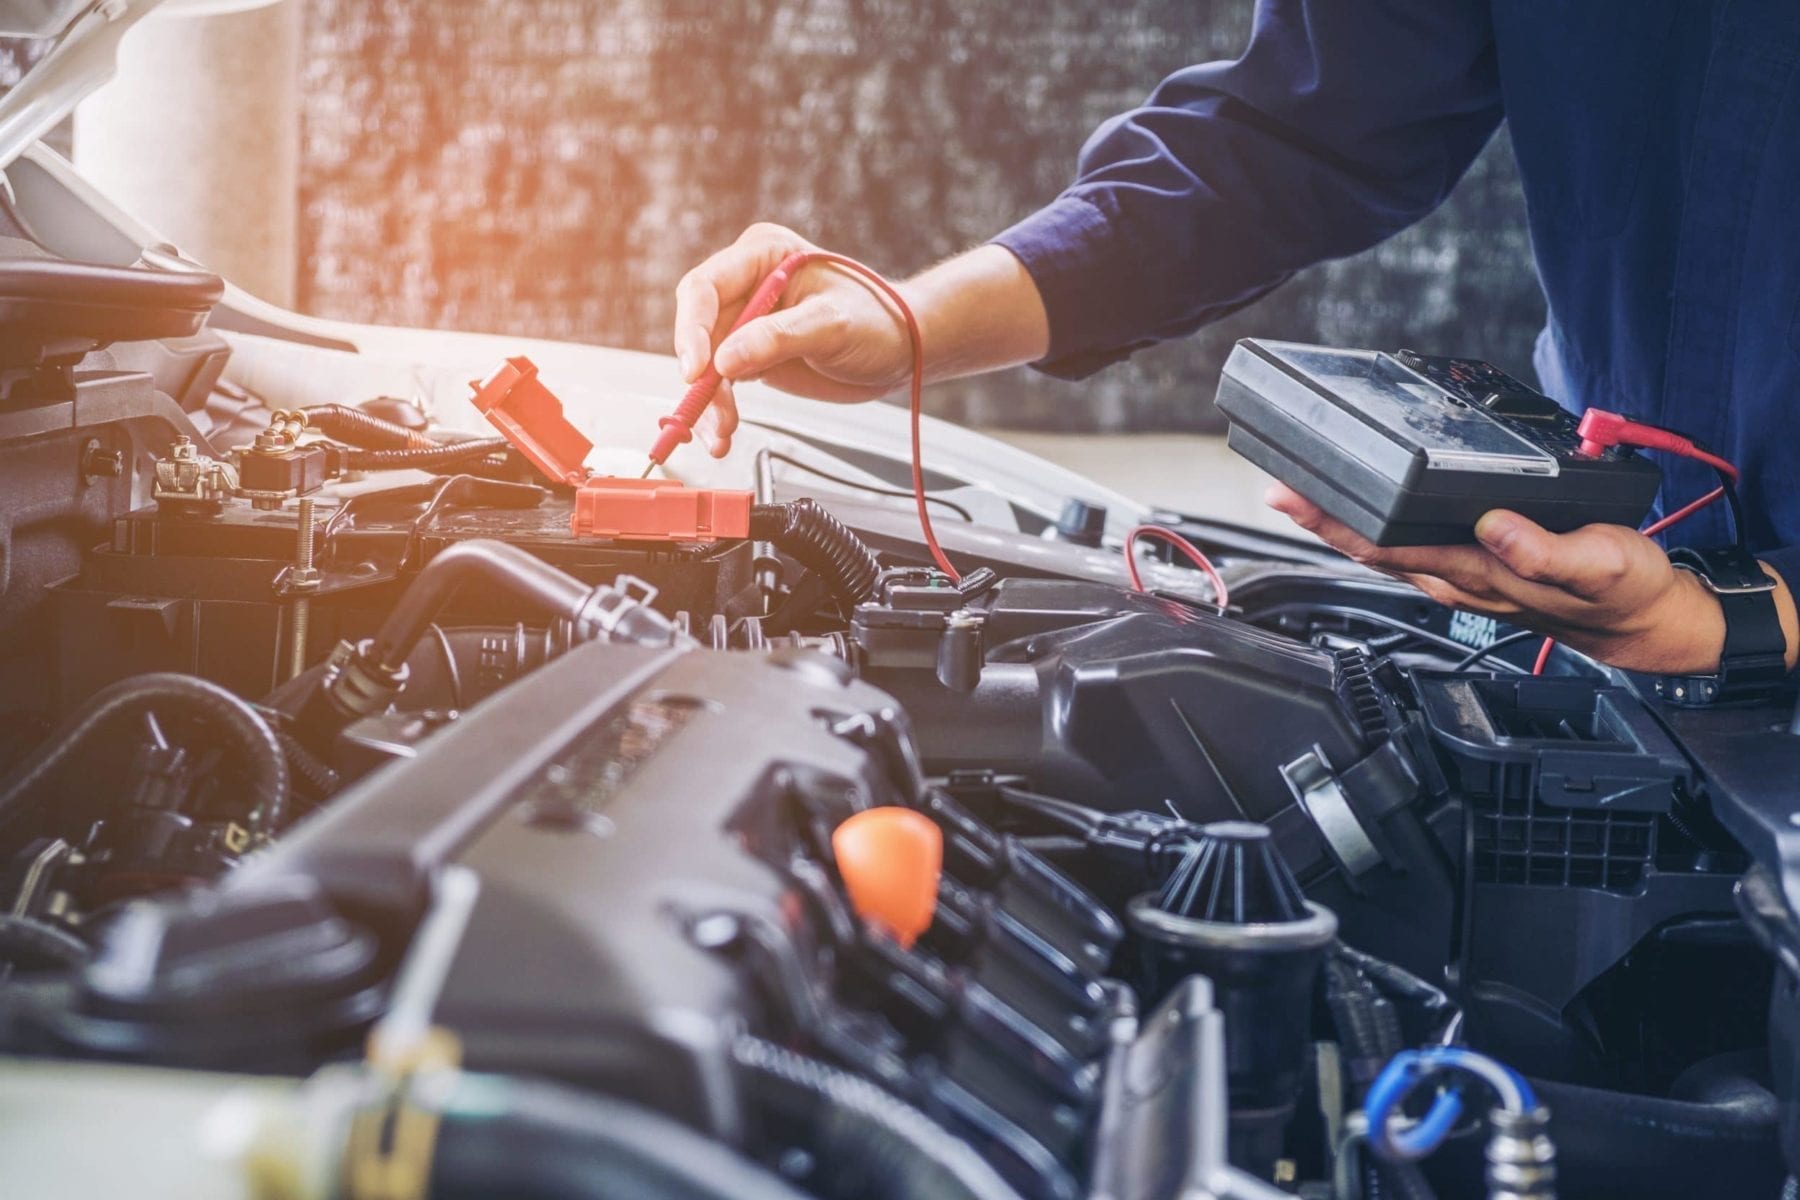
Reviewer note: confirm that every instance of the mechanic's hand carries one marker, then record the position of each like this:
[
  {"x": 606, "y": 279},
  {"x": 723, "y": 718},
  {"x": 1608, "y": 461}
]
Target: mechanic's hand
[
  {"x": 832, "y": 338},
  {"x": 1605, "y": 590}
]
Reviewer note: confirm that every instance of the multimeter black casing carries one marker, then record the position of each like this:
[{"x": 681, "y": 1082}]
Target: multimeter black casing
[{"x": 1410, "y": 450}]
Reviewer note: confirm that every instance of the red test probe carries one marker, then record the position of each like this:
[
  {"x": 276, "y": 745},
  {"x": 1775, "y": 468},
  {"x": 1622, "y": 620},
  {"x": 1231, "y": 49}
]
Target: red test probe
[{"x": 678, "y": 426}]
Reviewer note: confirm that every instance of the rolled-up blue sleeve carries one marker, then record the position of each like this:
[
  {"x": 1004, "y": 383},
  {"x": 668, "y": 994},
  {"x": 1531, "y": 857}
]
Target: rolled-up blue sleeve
[{"x": 1340, "y": 124}]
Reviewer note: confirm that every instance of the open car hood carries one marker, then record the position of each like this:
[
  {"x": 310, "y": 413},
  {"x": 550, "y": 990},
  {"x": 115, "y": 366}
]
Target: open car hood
[{"x": 86, "y": 36}]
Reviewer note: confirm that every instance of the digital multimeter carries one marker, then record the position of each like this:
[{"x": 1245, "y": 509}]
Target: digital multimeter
[{"x": 1410, "y": 450}]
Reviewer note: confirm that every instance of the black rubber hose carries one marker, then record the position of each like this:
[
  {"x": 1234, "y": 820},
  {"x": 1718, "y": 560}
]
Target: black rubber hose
[
  {"x": 458, "y": 666},
  {"x": 242, "y": 728},
  {"x": 526, "y": 1140},
  {"x": 1367, "y": 1025},
  {"x": 342, "y": 423},
  {"x": 429, "y": 458},
  {"x": 1396, "y": 1181},
  {"x": 1401, "y": 984},
  {"x": 32, "y": 945},
  {"x": 531, "y": 580},
  {"x": 875, "y": 1143},
  {"x": 1612, "y": 1144},
  {"x": 820, "y": 542}
]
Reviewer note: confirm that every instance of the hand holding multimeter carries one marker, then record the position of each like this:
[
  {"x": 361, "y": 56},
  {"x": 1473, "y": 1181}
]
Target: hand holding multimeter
[
  {"x": 1402, "y": 461},
  {"x": 1411, "y": 451}
]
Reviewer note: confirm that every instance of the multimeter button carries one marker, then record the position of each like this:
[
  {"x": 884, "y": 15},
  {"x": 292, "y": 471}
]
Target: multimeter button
[{"x": 1524, "y": 406}]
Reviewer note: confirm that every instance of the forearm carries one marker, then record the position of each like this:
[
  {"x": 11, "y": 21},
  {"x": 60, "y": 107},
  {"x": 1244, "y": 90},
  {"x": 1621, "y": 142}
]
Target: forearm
[
  {"x": 1685, "y": 634},
  {"x": 1681, "y": 633},
  {"x": 979, "y": 311},
  {"x": 1339, "y": 125},
  {"x": 1789, "y": 612}
]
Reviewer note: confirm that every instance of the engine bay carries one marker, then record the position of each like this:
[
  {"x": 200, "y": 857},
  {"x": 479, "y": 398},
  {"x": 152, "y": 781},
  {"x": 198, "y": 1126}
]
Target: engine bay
[{"x": 478, "y": 826}]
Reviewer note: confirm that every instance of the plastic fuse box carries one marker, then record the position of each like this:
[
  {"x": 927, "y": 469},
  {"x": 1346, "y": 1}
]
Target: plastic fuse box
[{"x": 529, "y": 415}]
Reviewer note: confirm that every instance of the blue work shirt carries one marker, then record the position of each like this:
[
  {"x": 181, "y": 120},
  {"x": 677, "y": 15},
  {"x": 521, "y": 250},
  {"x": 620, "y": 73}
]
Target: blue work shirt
[{"x": 1659, "y": 146}]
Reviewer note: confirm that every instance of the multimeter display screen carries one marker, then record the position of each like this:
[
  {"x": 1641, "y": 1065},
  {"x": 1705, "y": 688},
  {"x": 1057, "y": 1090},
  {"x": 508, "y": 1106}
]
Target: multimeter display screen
[{"x": 1452, "y": 435}]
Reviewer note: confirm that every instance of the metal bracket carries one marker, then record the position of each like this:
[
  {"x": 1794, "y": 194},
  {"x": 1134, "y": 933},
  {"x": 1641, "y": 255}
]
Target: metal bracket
[
  {"x": 1316, "y": 788},
  {"x": 393, "y": 1138}
]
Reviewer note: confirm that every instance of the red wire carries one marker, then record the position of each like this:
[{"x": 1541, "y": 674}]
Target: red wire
[
  {"x": 915, "y": 398},
  {"x": 1543, "y": 658},
  {"x": 1655, "y": 527},
  {"x": 1221, "y": 594},
  {"x": 1683, "y": 513}
]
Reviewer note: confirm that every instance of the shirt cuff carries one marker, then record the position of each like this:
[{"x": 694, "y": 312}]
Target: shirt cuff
[{"x": 1066, "y": 247}]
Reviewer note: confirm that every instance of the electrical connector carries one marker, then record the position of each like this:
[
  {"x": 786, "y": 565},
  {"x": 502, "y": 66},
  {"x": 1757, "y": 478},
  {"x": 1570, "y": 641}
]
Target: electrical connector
[
  {"x": 1601, "y": 430},
  {"x": 516, "y": 402},
  {"x": 659, "y": 511}
]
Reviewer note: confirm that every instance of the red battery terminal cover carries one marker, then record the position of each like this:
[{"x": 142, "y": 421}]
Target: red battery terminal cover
[{"x": 529, "y": 415}]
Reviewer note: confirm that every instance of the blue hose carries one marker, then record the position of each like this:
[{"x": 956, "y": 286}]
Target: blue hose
[{"x": 1407, "y": 1071}]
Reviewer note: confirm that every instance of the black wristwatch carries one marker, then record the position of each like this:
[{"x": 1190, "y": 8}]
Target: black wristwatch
[{"x": 1754, "y": 660}]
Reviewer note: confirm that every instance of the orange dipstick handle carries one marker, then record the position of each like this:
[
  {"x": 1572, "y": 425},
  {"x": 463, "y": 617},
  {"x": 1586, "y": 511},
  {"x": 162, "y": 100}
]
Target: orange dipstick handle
[{"x": 890, "y": 860}]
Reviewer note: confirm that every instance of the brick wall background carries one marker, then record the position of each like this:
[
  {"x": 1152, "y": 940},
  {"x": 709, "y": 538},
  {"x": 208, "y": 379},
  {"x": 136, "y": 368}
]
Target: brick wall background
[{"x": 552, "y": 167}]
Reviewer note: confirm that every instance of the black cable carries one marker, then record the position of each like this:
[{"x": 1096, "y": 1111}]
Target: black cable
[
  {"x": 1418, "y": 634},
  {"x": 1739, "y": 527},
  {"x": 1512, "y": 639},
  {"x": 303, "y": 764},
  {"x": 870, "y": 488},
  {"x": 430, "y": 458},
  {"x": 342, "y": 423}
]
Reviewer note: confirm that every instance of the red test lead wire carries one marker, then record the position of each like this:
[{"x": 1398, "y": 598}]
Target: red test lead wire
[
  {"x": 915, "y": 397},
  {"x": 1601, "y": 430}
]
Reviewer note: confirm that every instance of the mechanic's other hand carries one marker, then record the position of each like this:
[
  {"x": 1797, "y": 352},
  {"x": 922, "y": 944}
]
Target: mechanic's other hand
[
  {"x": 1606, "y": 590},
  {"x": 832, "y": 338}
]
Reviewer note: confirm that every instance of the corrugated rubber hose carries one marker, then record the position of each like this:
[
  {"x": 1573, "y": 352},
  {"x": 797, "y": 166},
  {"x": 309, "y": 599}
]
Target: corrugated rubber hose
[
  {"x": 428, "y": 458},
  {"x": 242, "y": 729},
  {"x": 819, "y": 541},
  {"x": 342, "y": 423}
]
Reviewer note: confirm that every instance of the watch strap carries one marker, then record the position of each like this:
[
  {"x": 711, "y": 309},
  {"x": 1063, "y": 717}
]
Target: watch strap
[{"x": 1754, "y": 658}]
